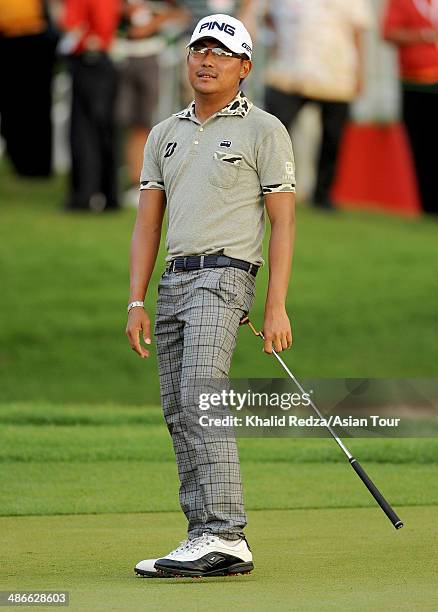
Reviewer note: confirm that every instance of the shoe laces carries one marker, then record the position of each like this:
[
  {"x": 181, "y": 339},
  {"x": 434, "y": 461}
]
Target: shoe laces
[
  {"x": 181, "y": 546},
  {"x": 202, "y": 540}
]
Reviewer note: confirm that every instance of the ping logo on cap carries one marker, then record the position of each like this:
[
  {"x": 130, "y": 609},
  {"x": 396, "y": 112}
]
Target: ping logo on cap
[{"x": 223, "y": 27}]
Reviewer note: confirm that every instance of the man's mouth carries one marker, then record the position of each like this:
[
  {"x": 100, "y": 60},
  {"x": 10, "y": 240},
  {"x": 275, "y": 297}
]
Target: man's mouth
[{"x": 206, "y": 75}]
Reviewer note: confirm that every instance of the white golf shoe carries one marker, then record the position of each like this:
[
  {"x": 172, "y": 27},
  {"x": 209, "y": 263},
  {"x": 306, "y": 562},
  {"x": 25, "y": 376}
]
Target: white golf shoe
[
  {"x": 209, "y": 555},
  {"x": 146, "y": 568}
]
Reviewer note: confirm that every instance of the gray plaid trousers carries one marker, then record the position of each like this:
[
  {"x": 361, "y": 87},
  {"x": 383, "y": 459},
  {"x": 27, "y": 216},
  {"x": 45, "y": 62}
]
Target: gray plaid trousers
[{"x": 196, "y": 326}]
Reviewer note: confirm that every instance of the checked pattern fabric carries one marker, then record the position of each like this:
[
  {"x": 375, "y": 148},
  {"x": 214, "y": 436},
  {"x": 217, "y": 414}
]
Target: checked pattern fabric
[{"x": 196, "y": 326}]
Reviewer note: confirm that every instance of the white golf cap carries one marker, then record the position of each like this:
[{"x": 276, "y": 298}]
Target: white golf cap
[{"x": 226, "y": 29}]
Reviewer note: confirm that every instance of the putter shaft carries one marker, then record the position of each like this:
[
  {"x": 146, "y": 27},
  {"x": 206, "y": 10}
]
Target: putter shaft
[{"x": 385, "y": 506}]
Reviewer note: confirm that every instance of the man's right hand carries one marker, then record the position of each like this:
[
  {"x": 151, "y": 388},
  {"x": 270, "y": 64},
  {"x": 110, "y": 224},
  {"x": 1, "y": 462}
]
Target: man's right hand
[{"x": 138, "y": 323}]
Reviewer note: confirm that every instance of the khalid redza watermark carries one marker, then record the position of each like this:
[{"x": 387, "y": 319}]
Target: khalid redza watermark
[
  {"x": 352, "y": 407},
  {"x": 292, "y": 420}
]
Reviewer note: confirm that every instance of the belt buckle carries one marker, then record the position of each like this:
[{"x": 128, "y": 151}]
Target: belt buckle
[
  {"x": 253, "y": 269},
  {"x": 222, "y": 261}
]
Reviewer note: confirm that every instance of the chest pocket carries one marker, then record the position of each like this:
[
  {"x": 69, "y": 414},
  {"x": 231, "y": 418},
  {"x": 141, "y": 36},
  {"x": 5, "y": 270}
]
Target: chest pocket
[{"x": 225, "y": 169}]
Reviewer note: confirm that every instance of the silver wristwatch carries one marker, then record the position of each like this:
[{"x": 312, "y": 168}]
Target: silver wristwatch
[{"x": 135, "y": 305}]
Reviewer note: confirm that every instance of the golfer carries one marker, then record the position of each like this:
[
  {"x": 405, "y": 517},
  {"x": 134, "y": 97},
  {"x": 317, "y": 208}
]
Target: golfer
[{"x": 215, "y": 166}]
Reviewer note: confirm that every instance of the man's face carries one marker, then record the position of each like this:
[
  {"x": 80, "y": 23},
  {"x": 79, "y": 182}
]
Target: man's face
[{"x": 210, "y": 74}]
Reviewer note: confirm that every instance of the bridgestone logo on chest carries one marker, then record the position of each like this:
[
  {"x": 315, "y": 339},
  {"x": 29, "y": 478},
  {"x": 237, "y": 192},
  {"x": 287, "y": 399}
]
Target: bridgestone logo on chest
[{"x": 170, "y": 149}]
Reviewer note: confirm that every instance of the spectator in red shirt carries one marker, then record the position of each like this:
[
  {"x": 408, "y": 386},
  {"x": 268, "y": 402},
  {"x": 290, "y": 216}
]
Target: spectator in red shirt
[
  {"x": 412, "y": 25},
  {"x": 90, "y": 26}
]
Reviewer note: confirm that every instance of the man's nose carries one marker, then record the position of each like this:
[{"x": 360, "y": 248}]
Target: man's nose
[{"x": 207, "y": 58}]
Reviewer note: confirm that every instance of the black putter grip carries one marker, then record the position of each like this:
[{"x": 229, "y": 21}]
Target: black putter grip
[{"x": 376, "y": 493}]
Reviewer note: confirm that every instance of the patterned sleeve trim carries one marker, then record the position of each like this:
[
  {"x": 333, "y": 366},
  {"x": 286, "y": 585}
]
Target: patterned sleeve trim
[
  {"x": 152, "y": 185},
  {"x": 279, "y": 188}
]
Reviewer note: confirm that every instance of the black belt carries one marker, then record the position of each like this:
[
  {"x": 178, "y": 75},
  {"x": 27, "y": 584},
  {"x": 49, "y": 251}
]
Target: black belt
[{"x": 197, "y": 262}]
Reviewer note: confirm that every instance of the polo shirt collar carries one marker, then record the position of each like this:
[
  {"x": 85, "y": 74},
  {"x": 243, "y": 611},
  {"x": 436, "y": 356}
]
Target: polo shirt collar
[{"x": 239, "y": 106}]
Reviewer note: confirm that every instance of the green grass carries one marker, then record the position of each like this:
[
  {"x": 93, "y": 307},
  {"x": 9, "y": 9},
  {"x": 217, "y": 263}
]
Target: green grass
[
  {"x": 94, "y": 459},
  {"x": 137, "y": 486},
  {"x": 304, "y": 560},
  {"x": 362, "y": 300},
  {"x": 88, "y": 477},
  {"x": 33, "y": 432},
  {"x": 318, "y": 538},
  {"x": 89, "y": 490}
]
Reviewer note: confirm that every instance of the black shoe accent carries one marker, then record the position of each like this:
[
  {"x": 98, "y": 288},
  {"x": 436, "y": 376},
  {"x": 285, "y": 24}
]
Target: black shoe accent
[
  {"x": 211, "y": 564},
  {"x": 146, "y": 574},
  {"x": 249, "y": 547}
]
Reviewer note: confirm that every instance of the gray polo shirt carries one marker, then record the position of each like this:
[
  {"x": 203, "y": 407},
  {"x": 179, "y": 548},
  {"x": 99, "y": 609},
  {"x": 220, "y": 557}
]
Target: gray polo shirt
[{"x": 215, "y": 175}]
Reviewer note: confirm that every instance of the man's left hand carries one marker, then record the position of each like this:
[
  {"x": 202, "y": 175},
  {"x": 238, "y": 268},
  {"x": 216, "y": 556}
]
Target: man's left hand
[{"x": 276, "y": 329}]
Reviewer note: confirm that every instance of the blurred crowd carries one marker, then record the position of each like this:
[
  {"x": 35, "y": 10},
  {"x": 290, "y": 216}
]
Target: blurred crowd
[{"x": 113, "y": 50}]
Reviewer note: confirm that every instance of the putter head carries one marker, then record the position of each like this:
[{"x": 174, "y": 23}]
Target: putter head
[{"x": 245, "y": 321}]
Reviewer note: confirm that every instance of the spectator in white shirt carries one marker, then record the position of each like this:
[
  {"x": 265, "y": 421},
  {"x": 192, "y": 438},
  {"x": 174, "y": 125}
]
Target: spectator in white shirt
[{"x": 317, "y": 59}]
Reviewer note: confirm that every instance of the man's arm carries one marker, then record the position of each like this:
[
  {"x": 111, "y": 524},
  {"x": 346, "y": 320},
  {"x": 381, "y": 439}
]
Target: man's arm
[
  {"x": 276, "y": 325},
  {"x": 358, "y": 42},
  {"x": 396, "y": 27},
  {"x": 410, "y": 36},
  {"x": 248, "y": 14},
  {"x": 144, "y": 249},
  {"x": 164, "y": 15}
]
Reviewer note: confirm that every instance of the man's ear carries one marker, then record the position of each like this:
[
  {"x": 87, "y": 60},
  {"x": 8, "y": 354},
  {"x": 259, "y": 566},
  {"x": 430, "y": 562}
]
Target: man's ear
[{"x": 245, "y": 68}]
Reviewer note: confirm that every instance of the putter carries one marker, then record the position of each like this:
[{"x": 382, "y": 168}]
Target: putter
[{"x": 398, "y": 524}]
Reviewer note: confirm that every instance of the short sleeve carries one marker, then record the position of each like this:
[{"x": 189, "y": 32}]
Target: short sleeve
[
  {"x": 151, "y": 177},
  {"x": 275, "y": 162},
  {"x": 394, "y": 16}
]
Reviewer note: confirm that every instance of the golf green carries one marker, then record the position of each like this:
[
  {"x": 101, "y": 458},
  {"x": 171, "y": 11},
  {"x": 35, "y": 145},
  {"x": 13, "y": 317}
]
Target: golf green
[
  {"x": 89, "y": 491},
  {"x": 88, "y": 480},
  {"x": 304, "y": 560}
]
